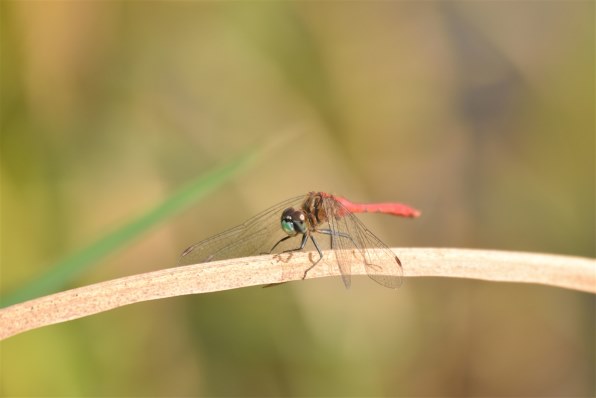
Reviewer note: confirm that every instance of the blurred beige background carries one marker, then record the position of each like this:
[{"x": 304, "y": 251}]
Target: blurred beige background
[{"x": 481, "y": 114}]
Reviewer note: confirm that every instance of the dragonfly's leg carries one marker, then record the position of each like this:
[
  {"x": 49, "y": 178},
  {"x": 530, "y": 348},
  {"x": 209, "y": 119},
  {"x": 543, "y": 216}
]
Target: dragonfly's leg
[
  {"x": 342, "y": 235},
  {"x": 278, "y": 242},
  {"x": 302, "y": 244},
  {"x": 320, "y": 256},
  {"x": 336, "y": 233}
]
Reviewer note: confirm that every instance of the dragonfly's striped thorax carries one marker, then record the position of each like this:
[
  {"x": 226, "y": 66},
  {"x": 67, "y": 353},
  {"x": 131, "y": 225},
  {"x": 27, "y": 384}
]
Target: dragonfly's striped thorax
[{"x": 315, "y": 210}]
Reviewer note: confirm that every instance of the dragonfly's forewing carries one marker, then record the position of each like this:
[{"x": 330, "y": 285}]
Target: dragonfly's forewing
[{"x": 254, "y": 237}]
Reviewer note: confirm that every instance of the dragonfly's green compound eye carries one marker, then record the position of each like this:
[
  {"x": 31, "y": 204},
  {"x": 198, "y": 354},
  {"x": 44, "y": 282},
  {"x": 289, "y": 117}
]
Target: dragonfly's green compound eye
[
  {"x": 293, "y": 222},
  {"x": 288, "y": 227}
]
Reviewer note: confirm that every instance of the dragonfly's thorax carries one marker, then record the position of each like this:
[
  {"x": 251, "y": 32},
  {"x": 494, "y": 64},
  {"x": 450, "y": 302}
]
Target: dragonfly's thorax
[{"x": 314, "y": 209}]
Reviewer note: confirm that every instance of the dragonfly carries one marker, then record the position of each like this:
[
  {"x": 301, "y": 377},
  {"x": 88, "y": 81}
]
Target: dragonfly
[{"x": 320, "y": 218}]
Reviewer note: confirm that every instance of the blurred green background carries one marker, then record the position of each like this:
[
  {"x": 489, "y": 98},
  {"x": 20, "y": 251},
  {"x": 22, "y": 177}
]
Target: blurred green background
[{"x": 481, "y": 114}]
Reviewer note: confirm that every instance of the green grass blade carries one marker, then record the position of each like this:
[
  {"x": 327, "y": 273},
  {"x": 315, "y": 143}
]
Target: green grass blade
[{"x": 70, "y": 267}]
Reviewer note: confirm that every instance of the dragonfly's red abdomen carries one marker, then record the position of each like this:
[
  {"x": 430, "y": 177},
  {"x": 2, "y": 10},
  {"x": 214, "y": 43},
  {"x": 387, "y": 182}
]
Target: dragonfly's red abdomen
[{"x": 395, "y": 209}]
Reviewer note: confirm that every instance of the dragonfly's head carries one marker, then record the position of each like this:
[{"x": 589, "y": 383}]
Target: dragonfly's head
[{"x": 293, "y": 222}]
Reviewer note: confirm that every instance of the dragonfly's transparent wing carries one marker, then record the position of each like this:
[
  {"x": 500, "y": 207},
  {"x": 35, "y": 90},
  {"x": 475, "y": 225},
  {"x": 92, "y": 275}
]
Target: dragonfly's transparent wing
[
  {"x": 350, "y": 238},
  {"x": 254, "y": 237},
  {"x": 382, "y": 265}
]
